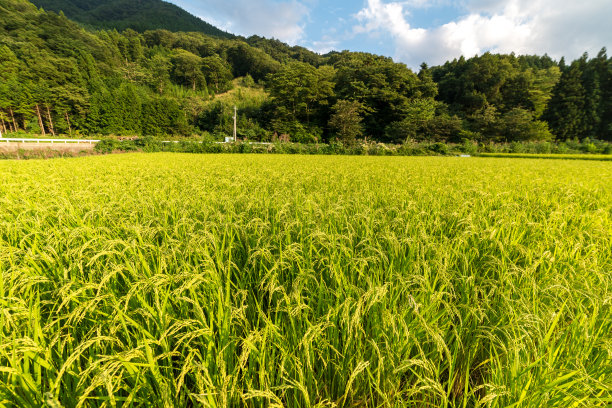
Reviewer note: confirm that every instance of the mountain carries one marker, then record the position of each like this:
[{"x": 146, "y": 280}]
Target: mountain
[{"x": 139, "y": 15}]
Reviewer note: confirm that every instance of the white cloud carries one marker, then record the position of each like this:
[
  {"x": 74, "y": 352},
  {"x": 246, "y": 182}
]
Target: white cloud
[
  {"x": 324, "y": 45},
  {"x": 283, "y": 20},
  {"x": 557, "y": 27}
]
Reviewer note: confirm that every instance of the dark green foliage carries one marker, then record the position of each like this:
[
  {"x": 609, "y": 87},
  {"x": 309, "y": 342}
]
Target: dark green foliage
[
  {"x": 501, "y": 97},
  {"x": 581, "y": 100},
  {"x": 247, "y": 60},
  {"x": 282, "y": 52},
  {"x": 565, "y": 112},
  {"x": 386, "y": 88},
  {"x": 139, "y": 15},
  {"x": 443, "y": 127},
  {"x": 218, "y": 74},
  {"x": 346, "y": 120},
  {"x": 159, "y": 66},
  {"x": 301, "y": 92},
  {"x": 519, "y": 125},
  {"x": 187, "y": 69},
  {"x": 162, "y": 116}
]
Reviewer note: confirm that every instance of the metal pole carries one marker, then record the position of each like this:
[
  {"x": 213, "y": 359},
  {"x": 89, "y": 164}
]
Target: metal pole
[{"x": 235, "y": 119}]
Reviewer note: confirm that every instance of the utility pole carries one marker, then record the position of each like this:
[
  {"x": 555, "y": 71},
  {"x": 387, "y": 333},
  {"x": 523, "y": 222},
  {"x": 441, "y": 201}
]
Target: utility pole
[{"x": 235, "y": 120}]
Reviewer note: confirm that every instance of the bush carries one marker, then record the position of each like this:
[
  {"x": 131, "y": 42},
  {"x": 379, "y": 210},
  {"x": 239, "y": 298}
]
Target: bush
[
  {"x": 410, "y": 148},
  {"x": 469, "y": 147},
  {"x": 108, "y": 146},
  {"x": 440, "y": 148},
  {"x": 590, "y": 148}
]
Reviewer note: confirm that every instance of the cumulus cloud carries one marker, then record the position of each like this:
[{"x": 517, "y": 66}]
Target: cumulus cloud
[
  {"x": 325, "y": 44},
  {"x": 283, "y": 20},
  {"x": 557, "y": 27}
]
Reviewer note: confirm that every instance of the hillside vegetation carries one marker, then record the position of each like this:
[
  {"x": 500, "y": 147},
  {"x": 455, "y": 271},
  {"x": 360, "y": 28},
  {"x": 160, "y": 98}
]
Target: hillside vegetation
[
  {"x": 59, "y": 77},
  {"x": 138, "y": 15}
]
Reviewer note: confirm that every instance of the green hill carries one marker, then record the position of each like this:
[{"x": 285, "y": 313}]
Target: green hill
[{"x": 139, "y": 15}]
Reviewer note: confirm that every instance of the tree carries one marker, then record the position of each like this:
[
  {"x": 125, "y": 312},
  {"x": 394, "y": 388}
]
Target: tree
[
  {"x": 603, "y": 66},
  {"x": 248, "y": 60},
  {"x": 518, "y": 125},
  {"x": 159, "y": 67},
  {"x": 218, "y": 75},
  {"x": 384, "y": 87},
  {"x": 8, "y": 88},
  {"x": 71, "y": 102},
  {"x": 300, "y": 91},
  {"x": 485, "y": 122},
  {"x": 515, "y": 91},
  {"x": 163, "y": 116},
  {"x": 417, "y": 114},
  {"x": 187, "y": 69},
  {"x": 606, "y": 105},
  {"x": 130, "y": 46},
  {"x": 346, "y": 120},
  {"x": 130, "y": 109},
  {"x": 541, "y": 88},
  {"x": 565, "y": 112},
  {"x": 428, "y": 88}
]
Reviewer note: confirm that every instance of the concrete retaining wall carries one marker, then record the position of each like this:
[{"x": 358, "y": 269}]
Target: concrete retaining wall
[{"x": 61, "y": 147}]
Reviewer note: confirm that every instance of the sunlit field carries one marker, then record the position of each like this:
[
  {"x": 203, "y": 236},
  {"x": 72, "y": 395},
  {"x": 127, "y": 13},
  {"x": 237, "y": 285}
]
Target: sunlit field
[{"x": 174, "y": 280}]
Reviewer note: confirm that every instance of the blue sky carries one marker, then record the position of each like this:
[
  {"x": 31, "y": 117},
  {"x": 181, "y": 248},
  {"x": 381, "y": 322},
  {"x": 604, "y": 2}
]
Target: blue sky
[{"x": 415, "y": 31}]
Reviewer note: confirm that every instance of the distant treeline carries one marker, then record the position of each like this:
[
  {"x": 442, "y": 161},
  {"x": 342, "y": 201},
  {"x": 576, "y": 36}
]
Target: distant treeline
[{"x": 58, "y": 78}]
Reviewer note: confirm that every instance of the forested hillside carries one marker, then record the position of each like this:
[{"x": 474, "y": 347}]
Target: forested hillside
[
  {"x": 513, "y": 96},
  {"x": 138, "y": 15},
  {"x": 58, "y": 77}
]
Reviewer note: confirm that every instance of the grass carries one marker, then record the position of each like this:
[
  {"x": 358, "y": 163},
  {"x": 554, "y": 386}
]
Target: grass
[
  {"x": 601, "y": 157},
  {"x": 172, "y": 280},
  {"x": 243, "y": 96}
]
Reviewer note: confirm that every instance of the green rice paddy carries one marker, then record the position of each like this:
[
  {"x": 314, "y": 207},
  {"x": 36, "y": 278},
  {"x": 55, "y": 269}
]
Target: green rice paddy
[
  {"x": 175, "y": 280},
  {"x": 601, "y": 157}
]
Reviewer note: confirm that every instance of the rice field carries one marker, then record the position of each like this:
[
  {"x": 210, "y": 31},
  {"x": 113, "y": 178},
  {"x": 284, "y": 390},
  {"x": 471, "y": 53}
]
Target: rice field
[
  {"x": 601, "y": 157},
  {"x": 176, "y": 280}
]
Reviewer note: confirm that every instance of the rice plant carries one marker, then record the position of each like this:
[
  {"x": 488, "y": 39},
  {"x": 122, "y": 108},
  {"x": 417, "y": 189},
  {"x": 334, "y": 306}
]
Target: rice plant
[
  {"x": 603, "y": 157},
  {"x": 173, "y": 280}
]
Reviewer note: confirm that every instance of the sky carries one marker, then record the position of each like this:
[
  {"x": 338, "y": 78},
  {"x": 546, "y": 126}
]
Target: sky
[{"x": 416, "y": 31}]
